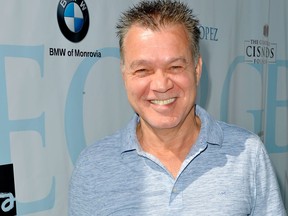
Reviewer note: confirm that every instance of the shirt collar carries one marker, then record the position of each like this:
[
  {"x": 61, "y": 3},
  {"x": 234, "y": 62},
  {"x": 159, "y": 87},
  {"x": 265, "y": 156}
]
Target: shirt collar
[
  {"x": 129, "y": 138},
  {"x": 210, "y": 133}
]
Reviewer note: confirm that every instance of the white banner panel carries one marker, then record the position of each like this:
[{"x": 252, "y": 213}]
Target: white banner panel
[{"x": 61, "y": 87}]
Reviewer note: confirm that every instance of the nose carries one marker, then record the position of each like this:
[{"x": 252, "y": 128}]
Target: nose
[{"x": 161, "y": 82}]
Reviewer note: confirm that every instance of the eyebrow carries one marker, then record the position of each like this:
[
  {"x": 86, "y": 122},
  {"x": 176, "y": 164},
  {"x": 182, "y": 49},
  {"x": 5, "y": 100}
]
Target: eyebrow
[
  {"x": 140, "y": 62},
  {"x": 137, "y": 63}
]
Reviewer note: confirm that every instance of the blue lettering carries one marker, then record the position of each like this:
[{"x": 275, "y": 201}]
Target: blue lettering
[
  {"x": 208, "y": 33},
  {"x": 271, "y": 107},
  {"x": 35, "y": 53},
  {"x": 257, "y": 116},
  {"x": 202, "y": 98},
  {"x": 74, "y": 128}
]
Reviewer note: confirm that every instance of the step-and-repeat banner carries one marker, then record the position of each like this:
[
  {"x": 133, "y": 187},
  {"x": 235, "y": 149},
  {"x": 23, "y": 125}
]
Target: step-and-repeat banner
[{"x": 61, "y": 87}]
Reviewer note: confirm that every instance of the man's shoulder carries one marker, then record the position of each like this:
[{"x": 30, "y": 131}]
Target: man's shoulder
[
  {"x": 235, "y": 136},
  {"x": 230, "y": 136},
  {"x": 107, "y": 151},
  {"x": 103, "y": 149},
  {"x": 105, "y": 144},
  {"x": 236, "y": 130}
]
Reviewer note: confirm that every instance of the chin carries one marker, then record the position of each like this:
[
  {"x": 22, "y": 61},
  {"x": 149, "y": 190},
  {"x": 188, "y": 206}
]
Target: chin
[{"x": 165, "y": 123}]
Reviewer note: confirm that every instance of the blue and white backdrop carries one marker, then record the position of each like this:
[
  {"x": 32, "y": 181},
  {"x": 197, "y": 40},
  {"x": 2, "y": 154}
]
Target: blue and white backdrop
[{"x": 61, "y": 88}]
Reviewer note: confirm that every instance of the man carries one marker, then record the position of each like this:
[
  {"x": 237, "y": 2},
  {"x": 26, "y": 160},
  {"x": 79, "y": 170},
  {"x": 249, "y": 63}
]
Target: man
[{"x": 173, "y": 158}]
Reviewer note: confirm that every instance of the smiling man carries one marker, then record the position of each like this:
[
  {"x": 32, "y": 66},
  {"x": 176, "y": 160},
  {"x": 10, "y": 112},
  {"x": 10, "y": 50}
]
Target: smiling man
[
  {"x": 161, "y": 78},
  {"x": 173, "y": 158}
]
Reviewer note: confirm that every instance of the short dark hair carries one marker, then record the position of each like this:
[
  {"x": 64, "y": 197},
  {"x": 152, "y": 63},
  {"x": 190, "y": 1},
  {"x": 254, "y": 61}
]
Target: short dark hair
[{"x": 156, "y": 14}]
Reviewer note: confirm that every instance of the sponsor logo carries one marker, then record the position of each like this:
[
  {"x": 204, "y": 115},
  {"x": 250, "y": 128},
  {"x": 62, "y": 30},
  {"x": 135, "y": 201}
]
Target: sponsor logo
[
  {"x": 208, "y": 33},
  {"x": 74, "y": 52},
  {"x": 73, "y": 19},
  {"x": 260, "y": 51}
]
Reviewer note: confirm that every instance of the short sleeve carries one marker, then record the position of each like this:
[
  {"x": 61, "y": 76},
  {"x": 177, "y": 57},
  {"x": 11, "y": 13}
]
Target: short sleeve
[{"x": 267, "y": 197}]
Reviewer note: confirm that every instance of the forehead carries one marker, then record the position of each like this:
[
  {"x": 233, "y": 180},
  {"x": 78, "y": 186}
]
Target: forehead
[
  {"x": 167, "y": 42},
  {"x": 136, "y": 30}
]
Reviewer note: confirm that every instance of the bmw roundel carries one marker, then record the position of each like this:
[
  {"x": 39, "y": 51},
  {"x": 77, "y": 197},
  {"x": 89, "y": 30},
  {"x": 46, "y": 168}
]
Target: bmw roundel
[{"x": 73, "y": 19}]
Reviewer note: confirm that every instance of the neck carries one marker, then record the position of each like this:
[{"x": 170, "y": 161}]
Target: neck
[
  {"x": 170, "y": 146},
  {"x": 177, "y": 141}
]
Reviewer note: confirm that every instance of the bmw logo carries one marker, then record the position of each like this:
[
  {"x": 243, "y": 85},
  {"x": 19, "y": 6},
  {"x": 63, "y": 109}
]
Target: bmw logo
[{"x": 73, "y": 19}]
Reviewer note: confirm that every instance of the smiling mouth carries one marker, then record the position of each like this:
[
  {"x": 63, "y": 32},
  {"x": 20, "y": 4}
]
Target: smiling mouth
[{"x": 163, "y": 102}]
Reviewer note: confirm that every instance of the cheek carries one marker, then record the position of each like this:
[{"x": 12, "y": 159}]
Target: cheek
[
  {"x": 185, "y": 82},
  {"x": 137, "y": 88}
]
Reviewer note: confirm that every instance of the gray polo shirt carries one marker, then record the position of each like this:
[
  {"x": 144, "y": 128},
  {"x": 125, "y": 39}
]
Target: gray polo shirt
[{"x": 227, "y": 172}]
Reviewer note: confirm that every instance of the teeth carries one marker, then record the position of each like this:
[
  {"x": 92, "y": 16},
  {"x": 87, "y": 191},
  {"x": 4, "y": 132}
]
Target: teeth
[{"x": 163, "y": 102}]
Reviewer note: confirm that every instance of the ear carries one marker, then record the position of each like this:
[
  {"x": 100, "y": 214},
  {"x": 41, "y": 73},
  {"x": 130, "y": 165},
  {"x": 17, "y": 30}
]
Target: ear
[{"x": 198, "y": 70}]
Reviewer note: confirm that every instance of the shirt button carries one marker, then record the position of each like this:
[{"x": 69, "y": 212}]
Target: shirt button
[{"x": 174, "y": 190}]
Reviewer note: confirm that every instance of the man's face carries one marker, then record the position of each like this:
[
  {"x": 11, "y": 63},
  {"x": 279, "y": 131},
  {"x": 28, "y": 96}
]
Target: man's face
[{"x": 160, "y": 75}]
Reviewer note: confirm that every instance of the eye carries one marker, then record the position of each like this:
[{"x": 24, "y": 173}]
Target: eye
[
  {"x": 176, "y": 68},
  {"x": 142, "y": 72}
]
